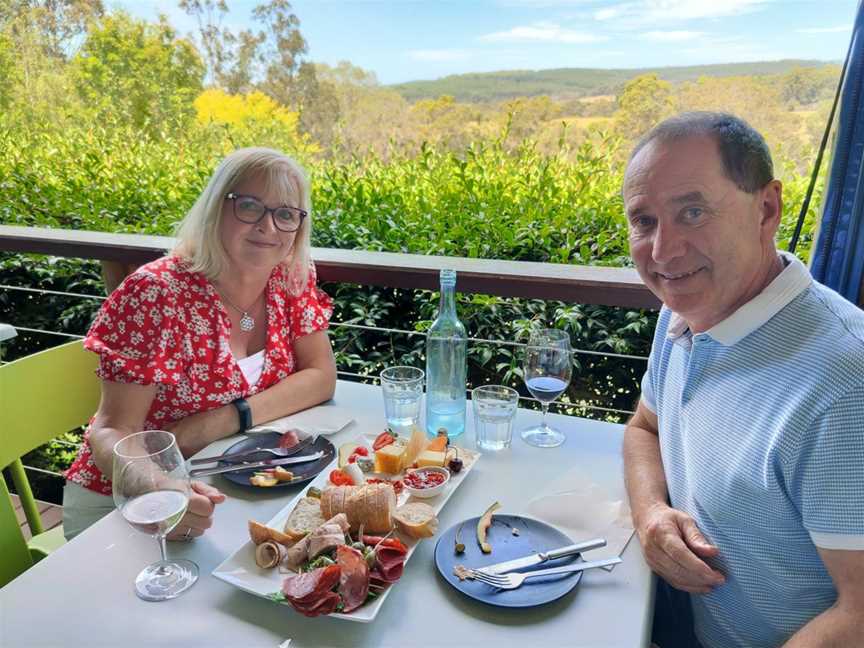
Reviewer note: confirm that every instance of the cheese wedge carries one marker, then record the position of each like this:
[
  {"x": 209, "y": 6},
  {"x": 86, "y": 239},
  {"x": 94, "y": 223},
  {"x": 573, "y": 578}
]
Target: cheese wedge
[
  {"x": 415, "y": 446},
  {"x": 430, "y": 458},
  {"x": 389, "y": 459}
]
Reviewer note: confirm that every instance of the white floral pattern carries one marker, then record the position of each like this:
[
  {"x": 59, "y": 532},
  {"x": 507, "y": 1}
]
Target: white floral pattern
[{"x": 167, "y": 326}]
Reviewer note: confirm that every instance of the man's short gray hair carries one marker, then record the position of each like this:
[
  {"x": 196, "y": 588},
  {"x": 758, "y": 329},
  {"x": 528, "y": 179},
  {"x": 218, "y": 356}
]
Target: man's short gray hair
[{"x": 745, "y": 155}]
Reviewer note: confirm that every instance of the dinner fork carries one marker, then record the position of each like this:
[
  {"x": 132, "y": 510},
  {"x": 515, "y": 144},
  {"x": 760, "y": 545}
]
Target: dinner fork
[
  {"x": 515, "y": 579},
  {"x": 277, "y": 452}
]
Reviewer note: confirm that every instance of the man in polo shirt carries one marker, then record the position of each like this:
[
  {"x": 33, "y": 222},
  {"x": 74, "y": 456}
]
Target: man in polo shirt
[{"x": 745, "y": 458}]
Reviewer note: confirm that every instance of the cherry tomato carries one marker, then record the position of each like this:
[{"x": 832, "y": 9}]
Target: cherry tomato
[
  {"x": 339, "y": 478},
  {"x": 352, "y": 458},
  {"x": 360, "y": 450}
]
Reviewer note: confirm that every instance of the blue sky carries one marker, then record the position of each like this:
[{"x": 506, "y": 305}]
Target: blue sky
[{"x": 403, "y": 40}]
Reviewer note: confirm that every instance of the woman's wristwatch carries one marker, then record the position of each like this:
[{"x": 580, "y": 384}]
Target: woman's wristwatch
[{"x": 245, "y": 413}]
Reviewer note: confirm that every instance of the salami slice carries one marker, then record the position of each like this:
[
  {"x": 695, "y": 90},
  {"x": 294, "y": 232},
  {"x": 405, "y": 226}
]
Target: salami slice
[{"x": 354, "y": 577}]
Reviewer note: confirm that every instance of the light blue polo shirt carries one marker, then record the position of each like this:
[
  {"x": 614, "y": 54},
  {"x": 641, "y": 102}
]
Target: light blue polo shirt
[{"x": 761, "y": 422}]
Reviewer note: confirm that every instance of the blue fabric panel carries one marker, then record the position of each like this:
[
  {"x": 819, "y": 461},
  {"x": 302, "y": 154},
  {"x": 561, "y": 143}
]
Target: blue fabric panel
[{"x": 838, "y": 255}]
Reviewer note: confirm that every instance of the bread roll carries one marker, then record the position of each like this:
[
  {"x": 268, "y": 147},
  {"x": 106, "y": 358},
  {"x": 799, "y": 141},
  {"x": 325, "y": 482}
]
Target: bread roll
[{"x": 371, "y": 505}]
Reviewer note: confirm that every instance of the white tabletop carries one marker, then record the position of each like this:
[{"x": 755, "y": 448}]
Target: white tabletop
[{"x": 83, "y": 593}]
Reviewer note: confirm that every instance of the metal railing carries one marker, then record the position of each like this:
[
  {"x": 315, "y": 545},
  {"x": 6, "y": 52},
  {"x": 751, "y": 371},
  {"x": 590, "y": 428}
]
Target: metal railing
[{"x": 598, "y": 285}]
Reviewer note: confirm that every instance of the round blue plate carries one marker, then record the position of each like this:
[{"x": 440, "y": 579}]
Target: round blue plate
[
  {"x": 303, "y": 473},
  {"x": 533, "y": 536}
]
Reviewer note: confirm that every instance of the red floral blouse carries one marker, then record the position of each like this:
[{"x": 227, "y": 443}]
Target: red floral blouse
[{"x": 167, "y": 326}]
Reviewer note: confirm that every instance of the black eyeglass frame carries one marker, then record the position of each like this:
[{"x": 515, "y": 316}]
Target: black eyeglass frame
[{"x": 232, "y": 196}]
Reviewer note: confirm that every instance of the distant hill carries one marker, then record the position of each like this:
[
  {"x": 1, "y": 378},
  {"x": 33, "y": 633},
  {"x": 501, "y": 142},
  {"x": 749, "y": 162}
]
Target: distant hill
[{"x": 575, "y": 82}]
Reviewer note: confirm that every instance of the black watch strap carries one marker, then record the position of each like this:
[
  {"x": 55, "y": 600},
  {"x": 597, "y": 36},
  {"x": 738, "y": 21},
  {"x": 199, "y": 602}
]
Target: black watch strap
[{"x": 245, "y": 413}]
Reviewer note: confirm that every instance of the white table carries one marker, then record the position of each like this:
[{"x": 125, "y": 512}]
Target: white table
[{"x": 82, "y": 595}]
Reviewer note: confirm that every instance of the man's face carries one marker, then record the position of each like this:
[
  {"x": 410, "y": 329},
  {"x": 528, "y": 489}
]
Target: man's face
[{"x": 702, "y": 245}]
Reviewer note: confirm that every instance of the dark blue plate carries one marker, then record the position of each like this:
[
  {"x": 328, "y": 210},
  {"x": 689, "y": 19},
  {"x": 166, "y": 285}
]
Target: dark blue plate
[
  {"x": 533, "y": 536},
  {"x": 303, "y": 473}
]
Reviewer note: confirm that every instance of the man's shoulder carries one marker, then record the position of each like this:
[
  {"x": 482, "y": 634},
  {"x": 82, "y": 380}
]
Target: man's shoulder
[{"x": 833, "y": 322}]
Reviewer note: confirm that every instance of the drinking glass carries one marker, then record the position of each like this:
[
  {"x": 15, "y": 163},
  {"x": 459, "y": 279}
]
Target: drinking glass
[
  {"x": 403, "y": 389},
  {"x": 494, "y": 409},
  {"x": 547, "y": 370},
  {"x": 151, "y": 491}
]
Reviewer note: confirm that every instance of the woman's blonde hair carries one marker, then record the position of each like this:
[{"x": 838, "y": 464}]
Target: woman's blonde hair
[{"x": 198, "y": 236}]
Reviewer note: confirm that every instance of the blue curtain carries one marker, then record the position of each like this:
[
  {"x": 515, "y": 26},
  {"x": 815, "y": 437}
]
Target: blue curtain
[{"x": 838, "y": 254}]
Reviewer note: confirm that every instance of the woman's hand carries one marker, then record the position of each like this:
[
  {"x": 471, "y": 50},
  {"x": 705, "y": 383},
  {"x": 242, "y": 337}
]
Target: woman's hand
[{"x": 199, "y": 514}]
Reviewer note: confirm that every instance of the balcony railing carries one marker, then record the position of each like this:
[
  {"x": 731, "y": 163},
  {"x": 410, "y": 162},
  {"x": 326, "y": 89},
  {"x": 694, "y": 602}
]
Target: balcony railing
[{"x": 118, "y": 253}]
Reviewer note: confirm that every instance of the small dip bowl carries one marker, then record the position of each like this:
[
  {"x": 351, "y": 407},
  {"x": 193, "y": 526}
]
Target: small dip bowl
[{"x": 426, "y": 482}]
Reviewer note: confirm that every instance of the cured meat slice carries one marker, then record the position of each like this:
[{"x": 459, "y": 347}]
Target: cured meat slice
[
  {"x": 326, "y": 605},
  {"x": 312, "y": 586},
  {"x": 354, "y": 577},
  {"x": 389, "y": 564}
]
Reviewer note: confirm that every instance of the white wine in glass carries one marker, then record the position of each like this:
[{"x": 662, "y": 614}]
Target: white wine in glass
[
  {"x": 547, "y": 371},
  {"x": 151, "y": 491}
]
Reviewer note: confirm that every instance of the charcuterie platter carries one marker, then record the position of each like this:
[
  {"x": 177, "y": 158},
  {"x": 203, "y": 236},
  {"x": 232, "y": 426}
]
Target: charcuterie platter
[{"x": 341, "y": 544}]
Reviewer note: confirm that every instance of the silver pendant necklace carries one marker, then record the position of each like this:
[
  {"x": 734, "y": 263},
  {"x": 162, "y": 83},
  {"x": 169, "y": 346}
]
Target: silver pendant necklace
[{"x": 247, "y": 322}]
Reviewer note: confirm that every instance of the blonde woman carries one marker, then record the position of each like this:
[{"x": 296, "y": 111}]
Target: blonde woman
[{"x": 226, "y": 332}]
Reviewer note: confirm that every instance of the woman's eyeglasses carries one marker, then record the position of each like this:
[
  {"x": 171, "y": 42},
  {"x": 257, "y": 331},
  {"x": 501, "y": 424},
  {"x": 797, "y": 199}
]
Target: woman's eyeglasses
[{"x": 250, "y": 210}]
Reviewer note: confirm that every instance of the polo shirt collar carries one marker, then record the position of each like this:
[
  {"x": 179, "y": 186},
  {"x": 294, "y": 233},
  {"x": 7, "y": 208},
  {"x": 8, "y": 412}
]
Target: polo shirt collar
[{"x": 791, "y": 282}]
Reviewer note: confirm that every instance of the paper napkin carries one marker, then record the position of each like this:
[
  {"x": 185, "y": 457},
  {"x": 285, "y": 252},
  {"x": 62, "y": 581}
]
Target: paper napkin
[
  {"x": 583, "y": 510},
  {"x": 323, "y": 419}
]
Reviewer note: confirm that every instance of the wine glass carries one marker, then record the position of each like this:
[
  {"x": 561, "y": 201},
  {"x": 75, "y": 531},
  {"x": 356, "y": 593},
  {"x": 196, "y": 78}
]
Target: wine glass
[
  {"x": 547, "y": 371},
  {"x": 151, "y": 491}
]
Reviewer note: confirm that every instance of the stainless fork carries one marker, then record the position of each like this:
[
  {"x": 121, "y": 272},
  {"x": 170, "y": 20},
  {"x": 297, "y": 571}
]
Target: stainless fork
[
  {"x": 277, "y": 452},
  {"x": 515, "y": 579}
]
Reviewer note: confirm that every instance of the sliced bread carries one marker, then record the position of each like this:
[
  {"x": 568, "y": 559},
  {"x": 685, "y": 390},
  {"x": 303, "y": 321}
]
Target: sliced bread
[
  {"x": 416, "y": 520},
  {"x": 305, "y": 518}
]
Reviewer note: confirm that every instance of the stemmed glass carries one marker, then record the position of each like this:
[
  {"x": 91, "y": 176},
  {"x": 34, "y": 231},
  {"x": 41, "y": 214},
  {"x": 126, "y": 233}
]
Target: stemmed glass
[
  {"x": 151, "y": 491},
  {"x": 547, "y": 372}
]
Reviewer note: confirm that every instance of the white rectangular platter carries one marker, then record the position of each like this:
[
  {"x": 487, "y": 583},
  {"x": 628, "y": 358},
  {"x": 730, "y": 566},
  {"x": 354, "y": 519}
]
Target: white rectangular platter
[{"x": 240, "y": 569}]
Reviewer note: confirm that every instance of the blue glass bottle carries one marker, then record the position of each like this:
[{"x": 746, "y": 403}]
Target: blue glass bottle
[{"x": 446, "y": 347}]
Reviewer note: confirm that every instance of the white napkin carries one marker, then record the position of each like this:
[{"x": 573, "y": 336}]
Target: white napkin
[
  {"x": 323, "y": 419},
  {"x": 583, "y": 510}
]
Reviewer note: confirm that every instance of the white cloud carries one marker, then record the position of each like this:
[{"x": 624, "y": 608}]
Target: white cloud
[
  {"x": 439, "y": 55},
  {"x": 654, "y": 11},
  {"x": 826, "y": 30},
  {"x": 543, "y": 32},
  {"x": 671, "y": 36}
]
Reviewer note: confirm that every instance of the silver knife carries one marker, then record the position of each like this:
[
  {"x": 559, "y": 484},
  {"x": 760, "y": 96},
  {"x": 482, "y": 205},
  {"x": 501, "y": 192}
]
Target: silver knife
[
  {"x": 269, "y": 463},
  {"x": 542, "y": 557}
]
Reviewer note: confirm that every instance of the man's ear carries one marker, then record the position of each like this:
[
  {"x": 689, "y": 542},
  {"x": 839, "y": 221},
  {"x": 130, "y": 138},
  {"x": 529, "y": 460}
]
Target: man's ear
[{"x": 771, "y": 196}]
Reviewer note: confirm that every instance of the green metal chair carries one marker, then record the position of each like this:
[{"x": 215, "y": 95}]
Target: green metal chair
[{"x": 41, "y": 396}]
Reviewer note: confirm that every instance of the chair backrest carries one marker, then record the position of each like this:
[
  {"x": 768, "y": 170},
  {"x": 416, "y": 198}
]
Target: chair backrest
[{"x": 41, "y": 396}]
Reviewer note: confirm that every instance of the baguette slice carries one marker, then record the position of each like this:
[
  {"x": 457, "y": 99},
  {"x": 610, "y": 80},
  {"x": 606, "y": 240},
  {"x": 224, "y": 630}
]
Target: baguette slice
[
  {"x": 305, "y": 518},
  {"x": 416, "y": 520}
]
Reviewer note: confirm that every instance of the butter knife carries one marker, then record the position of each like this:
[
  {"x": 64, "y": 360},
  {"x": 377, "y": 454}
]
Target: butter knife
[
  {"x": 268, "y": 463},
  {"x": 542, "y": 557}
]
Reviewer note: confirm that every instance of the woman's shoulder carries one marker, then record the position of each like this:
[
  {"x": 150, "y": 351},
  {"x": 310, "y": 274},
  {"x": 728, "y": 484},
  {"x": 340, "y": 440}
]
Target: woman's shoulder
[{"x": 169, "y": 273}]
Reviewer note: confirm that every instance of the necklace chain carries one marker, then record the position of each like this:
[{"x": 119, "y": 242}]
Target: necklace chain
[{"x": 247, "y": 322}]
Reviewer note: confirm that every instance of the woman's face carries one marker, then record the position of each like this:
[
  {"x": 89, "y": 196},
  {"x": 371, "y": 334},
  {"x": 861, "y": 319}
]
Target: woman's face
[{"x": 259, "y": 246}]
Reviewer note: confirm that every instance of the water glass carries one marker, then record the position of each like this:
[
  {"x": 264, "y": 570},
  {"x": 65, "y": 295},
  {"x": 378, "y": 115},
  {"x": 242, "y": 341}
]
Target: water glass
[
  {"x": 403, "y": 390},
  {"x": 494, "y": 411}
]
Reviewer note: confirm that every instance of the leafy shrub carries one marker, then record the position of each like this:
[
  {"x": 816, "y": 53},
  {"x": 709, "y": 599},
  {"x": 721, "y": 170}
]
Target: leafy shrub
[{"x": 486, "y": 202}]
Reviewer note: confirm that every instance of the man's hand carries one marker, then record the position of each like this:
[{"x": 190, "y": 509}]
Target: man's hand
[
  {"x": 199, "y": 514},
  {"x": 674, "y": 548}
]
